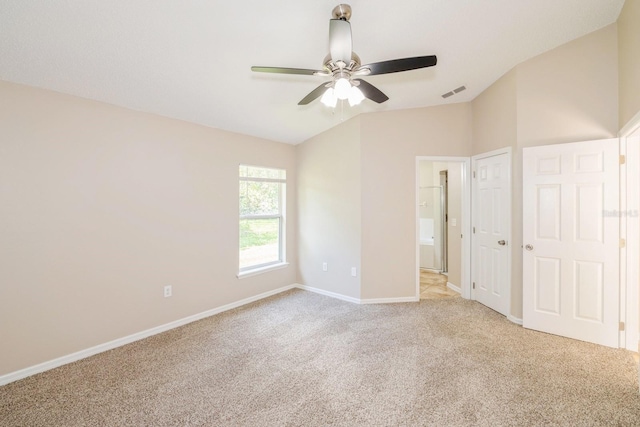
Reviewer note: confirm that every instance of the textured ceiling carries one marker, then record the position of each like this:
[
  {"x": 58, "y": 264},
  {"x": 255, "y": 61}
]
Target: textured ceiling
[{"x": 191, "y": 59}]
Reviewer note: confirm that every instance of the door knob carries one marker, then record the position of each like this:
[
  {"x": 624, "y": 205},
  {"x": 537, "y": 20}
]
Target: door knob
[
  {"x": 529, "y": 247},
  {"x": 502, "y": 242}
]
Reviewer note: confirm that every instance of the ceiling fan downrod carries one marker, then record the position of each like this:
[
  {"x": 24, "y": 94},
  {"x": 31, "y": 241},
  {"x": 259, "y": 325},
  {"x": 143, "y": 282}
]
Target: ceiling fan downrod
[{"x": 342, "y": 12}]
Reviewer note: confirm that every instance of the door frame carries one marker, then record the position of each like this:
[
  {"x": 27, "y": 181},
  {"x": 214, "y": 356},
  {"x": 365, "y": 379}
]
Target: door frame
[
  {"x": 465, "y": 274},
  {"x": 630, "y": 232},
  {"x": 509, "y": 152}
]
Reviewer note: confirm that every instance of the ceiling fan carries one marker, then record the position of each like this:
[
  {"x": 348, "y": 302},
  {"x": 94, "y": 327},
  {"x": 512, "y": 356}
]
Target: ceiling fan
[{"x": 344, "y": 67}]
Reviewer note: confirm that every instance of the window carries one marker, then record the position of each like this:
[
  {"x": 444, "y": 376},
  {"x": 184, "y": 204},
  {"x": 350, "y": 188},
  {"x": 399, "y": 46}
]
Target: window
[{"x": 262, "y": 201}]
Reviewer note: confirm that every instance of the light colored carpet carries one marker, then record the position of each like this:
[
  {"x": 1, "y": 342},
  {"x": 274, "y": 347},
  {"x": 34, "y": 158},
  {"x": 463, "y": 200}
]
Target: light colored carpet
[{"x": 302, "y": 359}]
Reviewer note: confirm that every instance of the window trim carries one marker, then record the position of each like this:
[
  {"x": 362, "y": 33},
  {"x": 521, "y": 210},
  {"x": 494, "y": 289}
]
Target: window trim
[
  {"x": 260, "y": 270},
  {"x": 281, "y": 216}
]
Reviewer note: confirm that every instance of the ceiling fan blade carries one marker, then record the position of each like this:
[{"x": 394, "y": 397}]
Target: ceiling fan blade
[
  {"x": 340, "y": 41},
  {"x": 397, "y": 65},
  {"x": 371, "y": 92},
  {"x": 313, "y": 94},
  {"x": 280, "y": 70}
]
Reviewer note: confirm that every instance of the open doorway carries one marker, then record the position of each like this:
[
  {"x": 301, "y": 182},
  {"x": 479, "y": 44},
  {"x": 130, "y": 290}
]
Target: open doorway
[{"x": 442, "y": 224}]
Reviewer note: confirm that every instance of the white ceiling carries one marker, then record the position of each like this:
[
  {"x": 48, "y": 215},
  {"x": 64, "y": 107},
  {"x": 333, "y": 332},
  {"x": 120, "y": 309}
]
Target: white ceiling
[{"x": 191, "y": 59}]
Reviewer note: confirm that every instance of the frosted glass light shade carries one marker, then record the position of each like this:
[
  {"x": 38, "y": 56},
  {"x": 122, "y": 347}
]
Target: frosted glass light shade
[
  {"x": 329, "y": 98},
  {"x": 355, "y": 96},
  {"x": 342, "y": 88}
]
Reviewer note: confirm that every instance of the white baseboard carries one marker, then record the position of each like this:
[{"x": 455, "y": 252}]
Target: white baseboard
[
  {"x": 328, "y": 293},
  {"x": 514, "y": 319},
  {"x": 51, "y": 364},
  {"x": 82, "y": 354},
  {"x": 389, "y": 300},
  {"x": 357, "y": 300},
  {"x": 454, "y": 287}
]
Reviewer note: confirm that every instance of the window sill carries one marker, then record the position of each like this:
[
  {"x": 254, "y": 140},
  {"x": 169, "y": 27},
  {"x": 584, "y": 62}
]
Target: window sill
[{"x": 256, "y": 271}]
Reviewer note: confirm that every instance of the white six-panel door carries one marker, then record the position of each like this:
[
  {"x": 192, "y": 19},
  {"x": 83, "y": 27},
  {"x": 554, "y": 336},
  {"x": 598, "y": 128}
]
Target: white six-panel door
[
  {"x": 571, "y": 240},
  {"x": 491, "y": 227}
]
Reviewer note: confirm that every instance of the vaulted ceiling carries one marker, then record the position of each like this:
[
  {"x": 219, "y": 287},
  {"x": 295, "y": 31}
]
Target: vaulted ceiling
[{"x": 191, "y": 59}]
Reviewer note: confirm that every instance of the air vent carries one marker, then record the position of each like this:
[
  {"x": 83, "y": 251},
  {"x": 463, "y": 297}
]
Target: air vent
[{"x": 453, "y": 92}]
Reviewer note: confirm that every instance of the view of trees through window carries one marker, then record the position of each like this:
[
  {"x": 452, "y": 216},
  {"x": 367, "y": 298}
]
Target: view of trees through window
[{"x": 261, "y": 216}]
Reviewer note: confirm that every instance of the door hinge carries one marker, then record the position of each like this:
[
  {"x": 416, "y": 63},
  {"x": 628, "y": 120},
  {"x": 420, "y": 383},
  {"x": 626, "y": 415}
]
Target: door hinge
[
  {"x": 623, "y": 243},
  {"x": 474, "y": 230},
  {"x": 623, "y": 159},
  {"x": 474, "y": 174},
  {"x": 621, "y": 326},
  {"x": 474, "y": 285}
]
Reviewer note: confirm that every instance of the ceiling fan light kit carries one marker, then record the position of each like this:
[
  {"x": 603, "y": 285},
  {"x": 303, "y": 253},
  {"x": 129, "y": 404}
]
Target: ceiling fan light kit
[
  {"x": 329, "y": 98},
  {"x": 342, "y": 65}
]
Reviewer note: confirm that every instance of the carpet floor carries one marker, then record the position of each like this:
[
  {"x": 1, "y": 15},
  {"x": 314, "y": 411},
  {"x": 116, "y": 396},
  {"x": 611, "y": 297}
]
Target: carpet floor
[{"x": 302, "y": 359}]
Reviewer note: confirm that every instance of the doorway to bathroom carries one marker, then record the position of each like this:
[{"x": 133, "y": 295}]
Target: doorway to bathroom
[{"x": 442, "y": 223}]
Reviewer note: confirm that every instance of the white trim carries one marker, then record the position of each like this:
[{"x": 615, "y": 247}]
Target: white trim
[
  {"x": 465, "y": 277},
  {"x": 260, "y": 270},
  {"x": 629, "y": 288},
  {"x": 631, "y": 126},
  {"x": 51, "y": 364},
  {"x": 514, "y": 319},
  {"x": 623, "y": 268},
  {"x": 389, "y": 300},
  {"x": 357, "y": 300},
  {"x": 630, "y": 231},
  {"x": 328, "y": 293},
  {"x": 276, "y": 180},
  {"x": 454, "y": 287}
]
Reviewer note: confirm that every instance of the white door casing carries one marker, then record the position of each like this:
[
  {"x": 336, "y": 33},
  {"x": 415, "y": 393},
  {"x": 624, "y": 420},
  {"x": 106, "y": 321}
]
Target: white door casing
[
  {"x": 630, "y": 230},
  {"x": 571, "y": 240},
  {"x": 491, "y": 206}
]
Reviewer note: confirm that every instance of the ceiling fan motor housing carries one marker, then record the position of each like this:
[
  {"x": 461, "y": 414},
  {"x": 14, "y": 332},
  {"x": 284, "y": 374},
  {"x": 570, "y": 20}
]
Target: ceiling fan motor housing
[{"x": 331, "y": 67}]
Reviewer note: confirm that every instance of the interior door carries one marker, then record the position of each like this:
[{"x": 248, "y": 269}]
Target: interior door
[
  {"x": 571, "y": 240},
  {"x": 491, "y": 227}
]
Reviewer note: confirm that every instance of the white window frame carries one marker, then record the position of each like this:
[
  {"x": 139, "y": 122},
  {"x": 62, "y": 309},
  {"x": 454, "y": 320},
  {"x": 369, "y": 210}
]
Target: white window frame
[{"x": 281, "y": 216}]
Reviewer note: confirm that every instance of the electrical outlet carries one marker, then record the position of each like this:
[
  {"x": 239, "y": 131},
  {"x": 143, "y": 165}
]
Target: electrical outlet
[
  {"x": 354, "y": 271},
  {"x": 324, "y": 266},
  {"x": 167, "y": 291}
]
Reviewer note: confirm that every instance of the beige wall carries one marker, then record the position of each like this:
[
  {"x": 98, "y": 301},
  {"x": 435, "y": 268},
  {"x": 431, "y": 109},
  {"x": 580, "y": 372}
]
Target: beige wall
[
  {"x": 495, "y": 116},
  {"x": 329, "y": 191},
  {"x": 101, "y": 207},
  {"x": 390, "y": 143},
  {"x": 629, "y": 57},
  {"x": 570, "y": 93}
]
